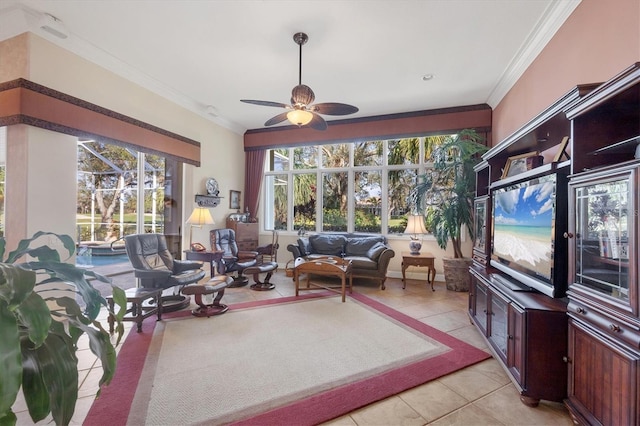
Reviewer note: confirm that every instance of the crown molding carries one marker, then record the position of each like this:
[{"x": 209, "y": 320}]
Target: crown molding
[{"x": 554, "y": 17}]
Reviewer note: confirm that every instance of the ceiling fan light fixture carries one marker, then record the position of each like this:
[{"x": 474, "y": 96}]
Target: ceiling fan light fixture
[
  {"x": 302, "y": 95},
  {"x": 299, "y": 117}
]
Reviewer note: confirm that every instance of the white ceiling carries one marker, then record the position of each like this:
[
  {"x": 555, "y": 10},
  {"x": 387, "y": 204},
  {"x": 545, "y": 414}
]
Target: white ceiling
[{"x": 368, "y": 53}]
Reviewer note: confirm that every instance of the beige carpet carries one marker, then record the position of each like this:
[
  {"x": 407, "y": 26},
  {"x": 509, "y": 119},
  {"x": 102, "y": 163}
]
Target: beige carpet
[{"x": 221, "y": 369}]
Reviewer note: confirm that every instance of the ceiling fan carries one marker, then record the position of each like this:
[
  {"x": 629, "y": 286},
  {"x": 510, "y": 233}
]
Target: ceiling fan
[{"x": 301, "y": 111}]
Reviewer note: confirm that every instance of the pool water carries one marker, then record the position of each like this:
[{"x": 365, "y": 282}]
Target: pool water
[{"x": 100, "y": 260}]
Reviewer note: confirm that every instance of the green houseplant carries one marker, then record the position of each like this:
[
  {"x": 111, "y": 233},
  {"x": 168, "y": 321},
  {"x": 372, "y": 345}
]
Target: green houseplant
[
  {"x": 446, "y": 195},
  {"x": 39, "y": 333}
]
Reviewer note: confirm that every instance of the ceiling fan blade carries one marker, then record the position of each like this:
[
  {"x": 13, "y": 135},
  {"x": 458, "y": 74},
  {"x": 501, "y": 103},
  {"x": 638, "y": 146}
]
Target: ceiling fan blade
[
  {"x": 318, "y": 122},
  {"x": 277, "y": 119},
  {"x": 266, "y": 103},
  {"x": 334, "y": 108}
]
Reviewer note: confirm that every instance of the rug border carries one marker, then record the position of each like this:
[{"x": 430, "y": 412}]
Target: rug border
[{"x": 315, "y": 409}]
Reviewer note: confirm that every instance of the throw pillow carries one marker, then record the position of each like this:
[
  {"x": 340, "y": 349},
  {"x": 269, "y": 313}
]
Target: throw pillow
[
  {"x": 305, "y": 247},
  {"x": 375, "y": 251}
]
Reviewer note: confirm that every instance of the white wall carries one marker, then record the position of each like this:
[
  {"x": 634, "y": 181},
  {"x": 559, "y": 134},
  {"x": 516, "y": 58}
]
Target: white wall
[{"x": 51, "y": 182}]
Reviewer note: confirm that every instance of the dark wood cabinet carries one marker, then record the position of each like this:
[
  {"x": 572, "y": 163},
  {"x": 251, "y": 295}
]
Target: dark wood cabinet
[
  {"x": 603, "y": 379},
  {"x": 525, "y": 328},
  {"x": 604, "y": 200},
  {"x": 596, "y": 327},
  {"x": 246, "y": 234},
  {"x": 526, "y": 331}
]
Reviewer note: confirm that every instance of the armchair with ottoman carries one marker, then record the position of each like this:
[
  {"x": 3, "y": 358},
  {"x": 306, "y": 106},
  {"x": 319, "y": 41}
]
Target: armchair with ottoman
[
  {"x": 155, "y": 268},
  {"x": 233, "y": 259},
  {"x": 369, "y": 253}
]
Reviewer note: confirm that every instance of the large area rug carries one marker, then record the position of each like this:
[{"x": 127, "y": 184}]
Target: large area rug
[{"x": 292, "y": 360}]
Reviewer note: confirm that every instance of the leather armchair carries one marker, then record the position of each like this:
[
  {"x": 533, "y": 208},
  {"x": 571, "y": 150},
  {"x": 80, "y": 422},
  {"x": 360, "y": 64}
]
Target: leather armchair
[
  {"x": 233, "y": 260},
  {"x": 155, "y": 267}
]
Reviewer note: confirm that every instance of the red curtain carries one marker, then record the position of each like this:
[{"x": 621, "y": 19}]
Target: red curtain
[{"x": 253, "y": 174}]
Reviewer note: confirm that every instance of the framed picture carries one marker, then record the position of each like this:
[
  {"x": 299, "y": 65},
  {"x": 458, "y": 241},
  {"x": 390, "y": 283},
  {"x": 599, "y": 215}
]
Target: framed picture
[
  {"x": 234, "y": 199},
  {"x": 521, "y": 163}
]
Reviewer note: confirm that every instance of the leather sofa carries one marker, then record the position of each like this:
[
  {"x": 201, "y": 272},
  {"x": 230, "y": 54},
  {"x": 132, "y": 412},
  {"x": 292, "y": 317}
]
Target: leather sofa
[{"x": 369, "y": 253}]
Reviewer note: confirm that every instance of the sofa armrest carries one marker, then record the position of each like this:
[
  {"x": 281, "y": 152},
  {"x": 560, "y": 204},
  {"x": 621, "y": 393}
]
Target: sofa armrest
[
  {"x": 295, "y": 250},
  {"x": 384, "y": 259}
]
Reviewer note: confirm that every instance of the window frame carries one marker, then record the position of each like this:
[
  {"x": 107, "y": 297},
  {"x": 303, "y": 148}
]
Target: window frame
[{"x": 421, "y": 166}]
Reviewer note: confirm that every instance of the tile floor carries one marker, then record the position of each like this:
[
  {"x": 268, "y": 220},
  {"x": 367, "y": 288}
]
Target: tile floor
[{"x": 481, "y": 394}]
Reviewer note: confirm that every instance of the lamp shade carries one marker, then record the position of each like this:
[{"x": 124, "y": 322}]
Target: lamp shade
[
  {"x": 200, "y": 216},
  {"x": 415, "y": 225},
  {"x": 299, "y": 117}
]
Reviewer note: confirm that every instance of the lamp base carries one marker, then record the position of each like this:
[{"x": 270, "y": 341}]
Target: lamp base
[{"x": 415, "y": 246}]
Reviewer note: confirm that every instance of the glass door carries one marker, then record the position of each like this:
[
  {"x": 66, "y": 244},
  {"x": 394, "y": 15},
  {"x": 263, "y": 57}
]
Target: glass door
[{"x": 603, "y": 244}]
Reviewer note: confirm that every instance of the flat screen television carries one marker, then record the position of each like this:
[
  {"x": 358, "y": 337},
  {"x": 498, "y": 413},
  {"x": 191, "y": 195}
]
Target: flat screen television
[{"x": 527, "y": 242}]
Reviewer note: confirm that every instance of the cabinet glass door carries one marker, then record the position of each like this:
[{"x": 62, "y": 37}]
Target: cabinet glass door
[
  {"x": 602, "y": 232},
  {"x": 499, "y": 324},
  {"x": 481, "y": 305}
]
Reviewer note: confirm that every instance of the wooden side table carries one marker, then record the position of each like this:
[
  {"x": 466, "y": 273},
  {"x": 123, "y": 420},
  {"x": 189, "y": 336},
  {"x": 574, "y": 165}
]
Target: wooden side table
[
  {"x": 205, "y": 256},
  {"x": 424, "y": 260},
  {"x": 135, "y": 297}
]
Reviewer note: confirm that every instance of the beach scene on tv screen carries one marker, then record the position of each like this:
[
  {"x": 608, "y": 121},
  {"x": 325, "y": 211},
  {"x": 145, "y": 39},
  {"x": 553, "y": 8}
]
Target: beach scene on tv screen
[{"x": 523, "y": 219}]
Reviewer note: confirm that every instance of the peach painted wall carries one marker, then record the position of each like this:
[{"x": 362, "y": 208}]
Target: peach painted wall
[{"x": 600, "y": 39}]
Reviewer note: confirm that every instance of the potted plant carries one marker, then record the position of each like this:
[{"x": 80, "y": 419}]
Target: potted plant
[
  {"x": 39, "y": 333},
  {"x": 446, "y": 195}
]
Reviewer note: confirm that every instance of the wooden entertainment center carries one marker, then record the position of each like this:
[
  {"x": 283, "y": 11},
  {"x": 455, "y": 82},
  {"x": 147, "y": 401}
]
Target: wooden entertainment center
[{"x": 570, "y": 332}]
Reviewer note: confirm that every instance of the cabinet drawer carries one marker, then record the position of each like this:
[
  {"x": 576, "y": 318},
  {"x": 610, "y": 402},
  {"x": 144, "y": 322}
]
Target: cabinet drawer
[{"x": 610, "y": 327}]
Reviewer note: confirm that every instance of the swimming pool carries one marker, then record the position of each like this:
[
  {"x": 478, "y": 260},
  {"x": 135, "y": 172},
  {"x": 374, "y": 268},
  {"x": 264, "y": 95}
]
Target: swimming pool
[{"x": 86, "y": 261}]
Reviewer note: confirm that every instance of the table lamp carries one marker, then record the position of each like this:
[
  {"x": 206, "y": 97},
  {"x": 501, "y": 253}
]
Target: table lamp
[
  {"x": 415, "y": 227},
  {"x": 200, "y": 216}
]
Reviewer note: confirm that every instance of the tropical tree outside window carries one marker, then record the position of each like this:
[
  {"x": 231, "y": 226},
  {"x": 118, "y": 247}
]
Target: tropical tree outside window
[
  {"x": 363, "y": 186},
  {"x": 304, "y": 196},
  {"x": 108, "y": 190},
  {"x": 334, "y": 201}
]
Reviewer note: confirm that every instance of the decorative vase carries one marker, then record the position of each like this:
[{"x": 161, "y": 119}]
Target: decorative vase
[
  {"x": 456, "y": 273},
  {"x": 415, "y": 246}
]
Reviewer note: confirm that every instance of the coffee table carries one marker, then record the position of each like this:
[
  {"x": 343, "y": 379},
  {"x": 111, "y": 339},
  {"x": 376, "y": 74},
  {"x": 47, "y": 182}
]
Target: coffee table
[{"x": 326, "y": 267}]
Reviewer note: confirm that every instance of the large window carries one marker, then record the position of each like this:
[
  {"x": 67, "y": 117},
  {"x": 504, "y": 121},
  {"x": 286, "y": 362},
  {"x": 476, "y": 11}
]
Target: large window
[
  {"x": 356, "y": 187},
  {"x": 120, "y": 192}
]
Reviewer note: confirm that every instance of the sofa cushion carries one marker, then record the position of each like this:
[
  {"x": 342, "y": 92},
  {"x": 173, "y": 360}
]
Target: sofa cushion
[
  {"x": 331, "y": 245},
  {"x": 375, "y": 251},
  {"x": 359, "y": 246},
  {"x": 362, "y": 262}
]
